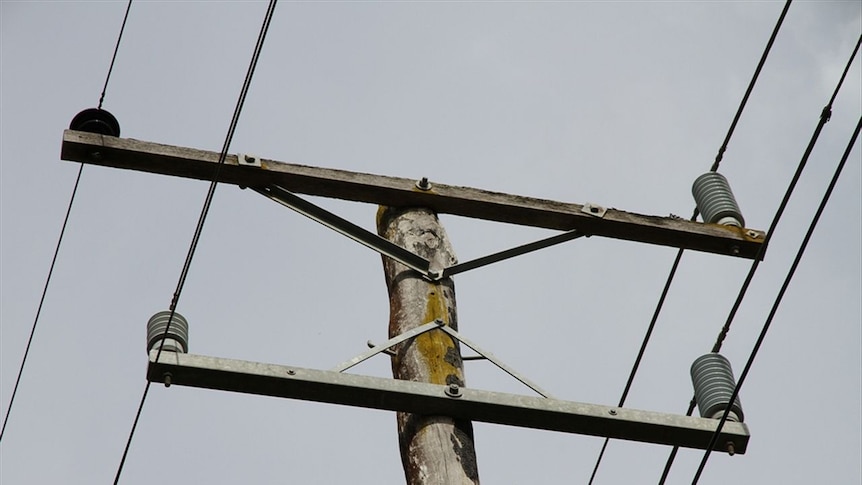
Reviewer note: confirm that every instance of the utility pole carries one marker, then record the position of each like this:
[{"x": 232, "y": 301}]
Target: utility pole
[
  {"x": 435, "y": 450},
  {"x": 434, "y": 410}
]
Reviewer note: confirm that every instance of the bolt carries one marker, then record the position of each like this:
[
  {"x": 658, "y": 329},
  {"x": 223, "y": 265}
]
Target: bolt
[
  {"x": 612, "y": 412},
  {"x": 423, "y": 184},
  {"x": 291, "y": 372},
  {"x": 735, "y": 250},
  {"x": 730, "y": 449},
  {"x": 167, "y": 377},
  {"x": 752, "y": 234},
  {"x": 594, "y": 210},
  {"x": 454, "y": 390}
]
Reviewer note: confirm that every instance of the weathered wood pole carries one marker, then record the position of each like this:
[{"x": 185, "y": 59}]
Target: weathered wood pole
[{"x": 435, "y": 450}]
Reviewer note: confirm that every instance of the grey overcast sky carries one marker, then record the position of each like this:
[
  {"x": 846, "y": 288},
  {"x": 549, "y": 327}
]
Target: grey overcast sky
[{"x": 622, "y": 104}]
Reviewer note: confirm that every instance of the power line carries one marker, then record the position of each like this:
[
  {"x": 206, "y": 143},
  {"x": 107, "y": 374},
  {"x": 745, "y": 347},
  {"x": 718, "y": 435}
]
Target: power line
[
  {"x": 41, "y": 301},
  {"x": 60, "y": 238},
  {"x": 202, "y": 219},
  {"x": 779, "y": 297},
  {"x": 825, "y": 115},
  {"x": 114, "y": 57},
  {"x": 718, "y": 158}
]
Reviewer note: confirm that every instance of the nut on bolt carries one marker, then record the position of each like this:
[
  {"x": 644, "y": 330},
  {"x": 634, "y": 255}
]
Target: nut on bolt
[
  {"x": 453, "y": 390},
  {"x": 731, "y": 450},
  {"x": 423, "y": 184}
]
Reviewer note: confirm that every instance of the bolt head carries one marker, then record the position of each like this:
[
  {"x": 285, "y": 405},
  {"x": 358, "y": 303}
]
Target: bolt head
[
  {"x": 731, "y": 449},
  {"x": 453, "y": 390}
]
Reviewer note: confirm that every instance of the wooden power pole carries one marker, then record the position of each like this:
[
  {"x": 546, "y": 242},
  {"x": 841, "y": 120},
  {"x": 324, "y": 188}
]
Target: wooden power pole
[
  {"x": 434, "y": 410},
  {"x": 435, "y": 450}
]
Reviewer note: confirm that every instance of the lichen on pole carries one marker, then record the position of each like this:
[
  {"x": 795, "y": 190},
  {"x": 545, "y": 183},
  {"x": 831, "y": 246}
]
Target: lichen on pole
[{"x": 435, "y": 450}]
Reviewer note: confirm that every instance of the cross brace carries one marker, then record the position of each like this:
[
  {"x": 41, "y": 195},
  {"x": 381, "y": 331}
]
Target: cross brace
[
  {"x": 400, "y": 192},
  {"x": 431, "y": 399}
]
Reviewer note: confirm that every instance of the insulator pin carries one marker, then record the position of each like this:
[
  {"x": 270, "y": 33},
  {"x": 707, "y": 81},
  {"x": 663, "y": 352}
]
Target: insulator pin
[
  {"x": 715, "y": 200},
  {"x": 177, "y": 337},
  {"x": 96, "y": 120},
  {"x": 713, "y": 385}
]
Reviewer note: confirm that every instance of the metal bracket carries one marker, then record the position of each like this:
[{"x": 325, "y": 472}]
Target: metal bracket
[
  {"x": 248, "y": 160},
  {"x": 594, "y": 210},
  {"x": 452, "y": 333}
]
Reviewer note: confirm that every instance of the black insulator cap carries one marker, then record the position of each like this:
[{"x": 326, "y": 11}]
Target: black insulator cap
[{"x": 96, "y": 120}]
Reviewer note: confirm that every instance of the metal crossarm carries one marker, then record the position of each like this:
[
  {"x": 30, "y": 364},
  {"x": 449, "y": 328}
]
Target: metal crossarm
[{"x": 431, "y": 399}]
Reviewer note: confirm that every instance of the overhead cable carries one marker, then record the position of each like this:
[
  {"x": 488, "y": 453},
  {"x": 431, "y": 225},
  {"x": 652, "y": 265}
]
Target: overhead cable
[
  {"x": 41, "y": 301},
  {"x": 114, "y": 57},
  {"x": 204, "y": 211},
  {"x": 825, "y": 115},
  {"x": 60, "y": 238},
  {"x": 778, "y": 299},
  {"x": 718, "y": 158}
]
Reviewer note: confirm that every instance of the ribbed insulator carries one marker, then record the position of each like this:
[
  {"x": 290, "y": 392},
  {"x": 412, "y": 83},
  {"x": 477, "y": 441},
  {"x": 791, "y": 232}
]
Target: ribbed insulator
[
  {"x": 713, "y": 385},
  {"x": 715, "y": 201},
  {"x": 177, "y": 338}
]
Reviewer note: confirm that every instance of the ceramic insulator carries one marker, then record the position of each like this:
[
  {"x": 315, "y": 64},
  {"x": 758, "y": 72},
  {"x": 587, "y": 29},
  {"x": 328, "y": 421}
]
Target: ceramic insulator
[
  {"x": 713, "y": 385},
  {"x": 177, "y": 338},
  {"x": 715, "y": 201}
]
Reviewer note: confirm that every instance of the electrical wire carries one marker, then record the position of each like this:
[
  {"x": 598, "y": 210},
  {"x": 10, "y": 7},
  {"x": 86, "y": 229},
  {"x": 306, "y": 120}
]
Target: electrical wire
[
  {"x": 41, "y": 302},
  {"x": 718, "y": 158},
  {"x": 202, "y": 219},
  {"x": 114, "y": 57},
  {"x": 60, "y": 238},
  {"x": 825, "y": 115},
  {"x": 778, "y": 298}
]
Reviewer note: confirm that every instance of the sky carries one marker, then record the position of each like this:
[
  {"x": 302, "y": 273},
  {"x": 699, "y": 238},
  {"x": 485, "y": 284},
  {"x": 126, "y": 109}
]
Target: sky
[{"x": 621, "y": 104}]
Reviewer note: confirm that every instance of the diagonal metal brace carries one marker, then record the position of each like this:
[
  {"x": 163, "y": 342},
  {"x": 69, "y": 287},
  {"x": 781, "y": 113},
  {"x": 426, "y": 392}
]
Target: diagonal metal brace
[
  {"x": 452, "y": 333},
  {"x": 389, "y": 249},
  {"x": 488, "y": 355},
  {"x": 346, "y": 228},
  {"x": 385, "y": 345},
  {"x": 510, "y": 253}
]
